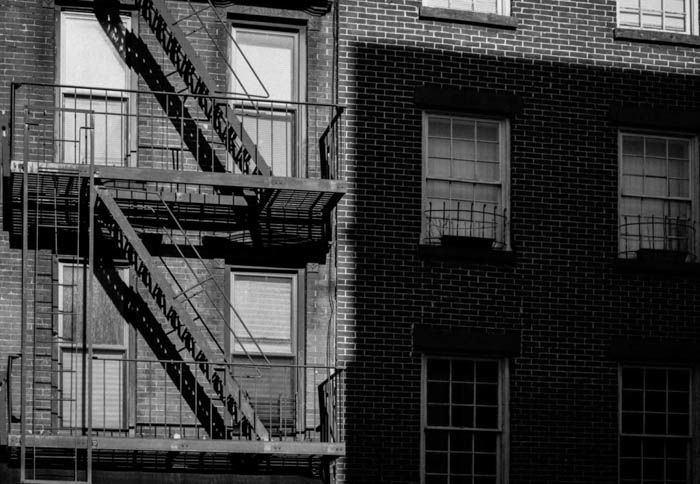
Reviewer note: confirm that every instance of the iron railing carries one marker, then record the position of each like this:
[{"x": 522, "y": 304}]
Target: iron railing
[
  {"x": 139, "y": 398},
  {"x": 657, "y": 237},
  {"x": 471, "y": 224},
  {"x": 169, "y": 131}
]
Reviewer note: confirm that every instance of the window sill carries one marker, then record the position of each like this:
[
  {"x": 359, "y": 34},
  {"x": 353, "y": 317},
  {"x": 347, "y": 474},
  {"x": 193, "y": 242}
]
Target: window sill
[
  {"x": 657, "y": 37},
  {"x": 657, "y": 267},
  {"x": 447, "y": 253},
  {"x": 467, "y": 17}
]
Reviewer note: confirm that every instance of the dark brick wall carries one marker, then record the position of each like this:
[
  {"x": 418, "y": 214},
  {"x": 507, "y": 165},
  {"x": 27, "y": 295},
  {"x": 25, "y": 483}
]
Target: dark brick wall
[{"x": 563, "y": 293}]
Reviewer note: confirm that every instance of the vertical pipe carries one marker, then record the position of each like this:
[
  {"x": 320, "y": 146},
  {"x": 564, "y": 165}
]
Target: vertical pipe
[{"x": 88, "y": 287}]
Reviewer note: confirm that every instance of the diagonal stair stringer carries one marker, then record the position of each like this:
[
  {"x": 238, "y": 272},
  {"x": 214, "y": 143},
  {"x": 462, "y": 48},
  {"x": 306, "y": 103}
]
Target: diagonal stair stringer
[{"x": 229, "y": 390}]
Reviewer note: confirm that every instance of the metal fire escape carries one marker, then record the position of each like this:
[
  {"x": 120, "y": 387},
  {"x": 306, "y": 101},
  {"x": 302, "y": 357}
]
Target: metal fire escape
[{"x": 219, "y": 189}]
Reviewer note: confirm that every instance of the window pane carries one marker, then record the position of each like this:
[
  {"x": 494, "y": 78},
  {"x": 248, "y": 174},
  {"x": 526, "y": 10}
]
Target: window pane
[
  {"x": 88, "y": 56},
  {"x": 463, "y": 170},
  {"x": 632, "y": 165},
  {"x": 271, "y": 56},
  {"x": 439, "y": 369},
  {"x": 439, "y": 127},
  {"x": 462, "y": 393},
  {"x": 487, "y": 151},
  {"x": 438, "y": 392},
  {"x": 274, "y": 132},
  {"x": 438, "y": 189},
  {"x": 439, "y": 415},
  {"x": 439, "y": 148},
  {"x": 436, "y": 439},
  {"x": 463, "y": 150},
  {"x": 463, "y": 129},
  {"x": 488, "y": 171},
  {"x": 107, "y": 389},
  {"x": 104, "y": 322},
  {"x": 265, "y": 304},
  {"x": 439, "y": 168},
  {"x": 487, "y": 193}
]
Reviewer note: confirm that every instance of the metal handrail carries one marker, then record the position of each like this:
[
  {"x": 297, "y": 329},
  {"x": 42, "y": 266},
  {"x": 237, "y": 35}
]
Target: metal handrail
[
  {"x": 470, "y": 220},
  {"x": 640, "y": 234},
  {"x": 164, "y": 411},
  {"x": 221, "y": 96},
  {"x": 161, "y": 128}
]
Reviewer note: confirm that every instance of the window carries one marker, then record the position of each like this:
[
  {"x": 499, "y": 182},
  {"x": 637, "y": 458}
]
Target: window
[
  {"x": 656, "y": 195},
  {"x": 466, "y": 180},
  {"x": 665, "y": 15},
  {"x": 267, "y": 72},
  {"x": 93, "y": 108},
  {"x": 463, "y": 420},
  {"x": 655, "y": 425},
  {"x": 108, "y": 333},
  {"x": 265, "y": 319},
  {"x": 501, "y": 7},
  {"x": 265, "y": 313}
]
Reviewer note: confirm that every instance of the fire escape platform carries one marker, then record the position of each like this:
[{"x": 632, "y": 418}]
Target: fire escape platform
[
  {"x": 271, "y": 448},
  {"x": 281, "y": 185},
  {"x": 222, "y": 203}
]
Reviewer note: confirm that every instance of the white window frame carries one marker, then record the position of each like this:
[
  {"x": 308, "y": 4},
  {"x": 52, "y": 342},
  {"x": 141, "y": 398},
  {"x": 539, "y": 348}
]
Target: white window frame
[
  {"x": 691, "y": 7},
  {"x": 504, "y": 154},
  {"x": 110, "y": 351},
  {"x": 503, "y": 455},
  {"x": 126, "y": 103},
  {"x": 294, "y": 330},
  {"x": 694, "y": 186},
  {"x": 692, "y": 387},
  {"x": 298, "y": 88},
  {"x": 502, "y": 6}
]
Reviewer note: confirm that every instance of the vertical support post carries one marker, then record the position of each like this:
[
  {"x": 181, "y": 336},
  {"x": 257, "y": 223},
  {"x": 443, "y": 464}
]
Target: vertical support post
[
  {"x": 23, "y": 337},
  {"x": 92, "y": 198}
]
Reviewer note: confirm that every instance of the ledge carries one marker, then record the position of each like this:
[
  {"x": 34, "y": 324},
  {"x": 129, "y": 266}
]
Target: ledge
[
  {"x": 441, "y": 252},
  {"x": 433, "y": 96},
  {"x": 645, "y": 349},
  {"x": 657, "y": 267},
  {"x": 629, "y": 115},
  {"x": 450, "y": 340},
  {"x": 656, "y": 37},
  {"x": 467, "y": 17}
]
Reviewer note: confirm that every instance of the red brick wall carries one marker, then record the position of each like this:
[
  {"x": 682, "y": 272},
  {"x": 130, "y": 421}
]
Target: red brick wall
[{"x": 563, "y": 293}]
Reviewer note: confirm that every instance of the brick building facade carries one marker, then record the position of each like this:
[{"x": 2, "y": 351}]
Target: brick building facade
[
  {"x": 572, "y": 305},
  {"x": 509, "y": 281}
]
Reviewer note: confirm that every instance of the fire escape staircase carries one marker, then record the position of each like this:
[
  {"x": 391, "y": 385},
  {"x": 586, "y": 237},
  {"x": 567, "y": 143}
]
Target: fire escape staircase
[
  {"x": 192, "y": 72},
  {"x": 186, "y": 327}
]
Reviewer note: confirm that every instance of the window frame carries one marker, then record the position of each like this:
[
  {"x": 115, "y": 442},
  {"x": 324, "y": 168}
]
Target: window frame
[
  {"x": 503, "y": 431},
  {"x": 130, "y": 155},
  {"x": 504, "y": 162},
  {"x": 502, "y": 7},
  {"x": 297, "y": 310},
  {"x": 122, "y": 352},
  {"x": 692, "y": 20},
  {"x": 691, "y": 438},
  {"x": 291, "y": 106},
  {"x": 694, "y": 182}
]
